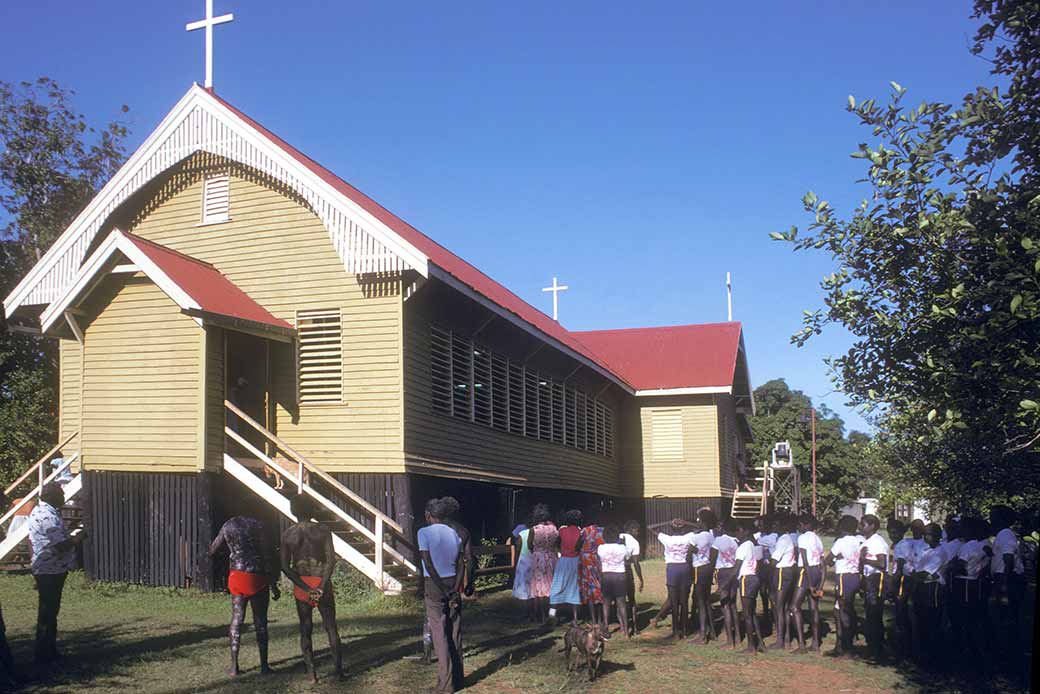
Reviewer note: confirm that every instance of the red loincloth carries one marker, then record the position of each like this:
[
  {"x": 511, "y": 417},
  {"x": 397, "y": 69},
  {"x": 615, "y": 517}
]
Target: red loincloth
[
  {"x": 246, "y": 584},
  {"x": 302, "y": 595}
]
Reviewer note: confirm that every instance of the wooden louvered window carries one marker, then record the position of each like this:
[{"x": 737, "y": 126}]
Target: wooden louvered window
[
  {"x": 499, "y": 392},
  {"x": 600, "y": 428},
  {"x": 590, "y": 425},
  {"x": 531, "y": 404},
  {"x": 320, "y": 361},
  {"x": 608, "y": 432},
  {"x": 516, "y": 399},
  {"x": 558, "y": 413},
  {"x": 579, "y": 422},
  {"x": 216, "y": 199},
  {"x": 544, "y": 408},
  {"x": 462, "y": 378},
  {"x": 570, "y": 425},
  {"x": 481, "y": 385},
  {"x": 440, "y": 370},
  {"x": 666, "y": 435}
]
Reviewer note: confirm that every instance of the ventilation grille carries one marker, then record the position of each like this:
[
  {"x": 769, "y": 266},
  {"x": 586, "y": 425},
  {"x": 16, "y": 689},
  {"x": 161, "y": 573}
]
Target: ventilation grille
[
  {"x": 320, "y": 356},
  {"x": 216, "y": 199},
  {"x": 666, "y": 435}
]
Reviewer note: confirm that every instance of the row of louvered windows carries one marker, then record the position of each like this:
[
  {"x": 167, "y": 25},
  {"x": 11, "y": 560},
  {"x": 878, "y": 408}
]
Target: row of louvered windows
[{"x": 471, "y": 382}]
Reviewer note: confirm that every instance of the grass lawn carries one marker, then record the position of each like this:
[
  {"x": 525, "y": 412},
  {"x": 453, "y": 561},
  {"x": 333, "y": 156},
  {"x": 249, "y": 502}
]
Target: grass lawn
[{"x": 165, "y": 641}]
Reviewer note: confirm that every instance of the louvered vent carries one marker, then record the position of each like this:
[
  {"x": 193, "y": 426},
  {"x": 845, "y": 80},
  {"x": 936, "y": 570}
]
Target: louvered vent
[
  {"x": 666, "y": 435},
  {"x": 216, "y": 199},
  {"x": 320, "y": 356}
]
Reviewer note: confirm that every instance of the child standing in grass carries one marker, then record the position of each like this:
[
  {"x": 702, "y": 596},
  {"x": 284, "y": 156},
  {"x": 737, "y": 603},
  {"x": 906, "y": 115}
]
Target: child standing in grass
[
  {"x": 873, "y": 563},
  {"x": 724, "y": 557},
  {"x": 785, "y": 572},
  {"x": 811, "y": 577},
  {"x": 845, "y": 555},
  {"x": 900, "y": 568},
  {"x": 929, "y": 571},
  {"x": 747, "y": 557}
]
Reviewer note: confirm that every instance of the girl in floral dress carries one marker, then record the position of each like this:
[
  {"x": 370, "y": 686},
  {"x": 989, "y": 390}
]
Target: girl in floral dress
[
  {"x": 543, "y": 541},
  {"x": 589, "y": 574}
]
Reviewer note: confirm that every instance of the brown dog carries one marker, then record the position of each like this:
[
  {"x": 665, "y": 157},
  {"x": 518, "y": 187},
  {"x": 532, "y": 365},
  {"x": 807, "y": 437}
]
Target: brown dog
[{"x": 590, "y": 642}]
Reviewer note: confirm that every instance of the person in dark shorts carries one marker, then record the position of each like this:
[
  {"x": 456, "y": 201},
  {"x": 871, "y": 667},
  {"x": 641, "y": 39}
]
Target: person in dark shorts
[
  {"x": 748, "y": 555},
  {"x": 766, "y": 539},
  {"x": 812, "y": 575},
  {"x": 678, "y": 545},
  {"x": 703, "y": 572},
  {"x": 898, "y": 581},
  {"x": 1009, "y": 576},
  {"x": 724, "y": 559},
  {"x": 845, "y": 555},
  {"x": 929, "y": 593},
  {"x": 308, "y": 560},
  {"x": 873, "y": 564},
  {"x": 252, "y": 580},
  {"x": 633, "y": 571},
  {"x": 613, "y": 556},
  {"x": 784, "y": 561}
]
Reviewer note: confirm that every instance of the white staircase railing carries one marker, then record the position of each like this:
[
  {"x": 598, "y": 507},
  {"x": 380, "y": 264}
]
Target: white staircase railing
[
  {"x": 383, "y": 551},
  {"x": 20, "y": 532}
]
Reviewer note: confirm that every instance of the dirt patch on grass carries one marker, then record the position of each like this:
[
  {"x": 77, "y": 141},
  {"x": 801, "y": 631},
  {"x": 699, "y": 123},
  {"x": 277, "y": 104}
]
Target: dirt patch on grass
[{"x": 810, "y": 678}]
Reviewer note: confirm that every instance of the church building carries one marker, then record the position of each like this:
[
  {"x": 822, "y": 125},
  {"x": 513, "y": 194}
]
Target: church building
[{"x": 236, "y": 324}]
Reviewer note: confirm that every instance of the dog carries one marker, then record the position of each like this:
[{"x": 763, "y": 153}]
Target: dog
[{"x": 589, "y": 641}]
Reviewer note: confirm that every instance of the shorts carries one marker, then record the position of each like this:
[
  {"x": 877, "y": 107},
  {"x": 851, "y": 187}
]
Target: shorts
[
  {"x": 848, "y": 585},
  {"x": 613, "y": 585},
  {"x": 299, "y": 594},
  {"x": 786, "y": 579},
  {"x": 245, "y": 584},
  {"x": 678, "y": 575},
  {"x": 811, "y": 576},
  {"x": 702, "y": 577},
  {"x": 966, "y": 591},
  {"x": 748, "y": 587},
  {"x": 727, "y": 580}
]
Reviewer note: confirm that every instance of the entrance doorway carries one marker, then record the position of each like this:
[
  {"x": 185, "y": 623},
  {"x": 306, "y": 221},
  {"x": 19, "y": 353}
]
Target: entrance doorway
[{"x": 247, "y": 382}]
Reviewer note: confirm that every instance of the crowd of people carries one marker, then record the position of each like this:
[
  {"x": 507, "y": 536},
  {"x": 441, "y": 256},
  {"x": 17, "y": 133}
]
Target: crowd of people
[{"x": 939, "y": 580}]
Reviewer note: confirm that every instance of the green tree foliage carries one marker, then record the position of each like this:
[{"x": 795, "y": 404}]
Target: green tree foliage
[
  {"x": 841, "y": 468},
  {"x": 938, "y": 277},
  {"x": 51, "y": 164}
]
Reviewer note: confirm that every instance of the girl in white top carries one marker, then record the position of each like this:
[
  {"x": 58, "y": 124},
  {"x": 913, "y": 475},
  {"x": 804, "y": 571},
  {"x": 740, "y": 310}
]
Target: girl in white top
[
  {"x": 811, "y": 578},
  {"x": 613, "y": 554},
  {"x": 873, "y": 562},
  {"x": 785, "y": 572},
  {"x": 678, "y": 574},
  {"x": 724, "y": 553},
  {"x": 747, "y": 557},
  {"x": 844, "y": 554}
]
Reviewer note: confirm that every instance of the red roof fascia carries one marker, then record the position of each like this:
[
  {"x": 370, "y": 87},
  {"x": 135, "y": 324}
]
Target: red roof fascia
[
  {"x": 438, "y": 255},
  {"x": 212, "y": 291},
  {"x": 683, "y": 356}
]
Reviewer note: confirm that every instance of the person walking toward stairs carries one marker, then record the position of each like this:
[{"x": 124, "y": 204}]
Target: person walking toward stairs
[
  {"x": 252, "y": 580},
  {"x": 53, "y": 556},
  {"x": 308, "y": 559}
]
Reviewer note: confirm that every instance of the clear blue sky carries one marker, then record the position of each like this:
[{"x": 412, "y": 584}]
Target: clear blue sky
[{"x": 636, "y": 150}]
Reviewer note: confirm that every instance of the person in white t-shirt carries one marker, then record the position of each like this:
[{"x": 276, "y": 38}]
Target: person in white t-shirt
[
  {"x": 767, "y": 541},
  {"x": 929, "y": 570},
  {"x": 845, "y": 555},
  {"x": 811, "y": 577},
  {"x": 703, "y": 571},
  {"x": 747, "y": 557},
  {"x": 900, "y": 568},
  {"x": 785, "y": 571},
  {"x": 724, "y": 557},
  {"x": 973, "y": 560},
  {"x": 1009, "y": 576},
  {"x": 678, "y": 544},
  {"x": 613, "y": 556},
  {"x": 633, "y": 570},
  {"x": 873, "y": 562}
]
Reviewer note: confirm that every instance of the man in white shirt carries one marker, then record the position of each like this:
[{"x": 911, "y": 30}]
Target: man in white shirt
[
  {"x": 845, "y": 555},
  {"x": 900, "y": 568},
  {"x": 873, "y": 563},
  {"x": 703, "y": 570},
  {"x": 928, "y": 573},
  {"x": 1009, "y": 576},
  {"x": 633, "y": 570},
  {"x": 440, "y": 549},
  {"x": 747, "y": 557},
  {"x": 785, "y": 571},
  {"x": 53, "y": 556},
  {"x": 767, "y": 541},
  {"x": 973, "y": 559}
]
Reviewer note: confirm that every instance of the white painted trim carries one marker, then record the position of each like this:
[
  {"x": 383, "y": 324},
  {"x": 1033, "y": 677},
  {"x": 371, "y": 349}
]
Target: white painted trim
[
  {"x": 125, "y": 267},
  {"x": 88, "y": 276},
  {"x": 516, "y": 320},
  {"x": 74, "y": 326},
  {"x": 700, "y": 390},
  {"x": 199, "y": 122}
]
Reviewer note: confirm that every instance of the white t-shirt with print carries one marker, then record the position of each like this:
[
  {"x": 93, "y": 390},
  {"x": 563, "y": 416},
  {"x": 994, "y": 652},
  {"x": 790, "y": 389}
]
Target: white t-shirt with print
[
  {"x": 784, "y": 552},
  {"x": 612, "y": 557},
  {"x": 973, "y": 554},
  {"x": 932, "y": 561},
  {"x": 1007, "y": 542},
  {"x": 632, "y": 544},
  {"x": 747, "y": 553},
  {"x": 846, "y": 554},
  {"x": 727, "y": 548},
  {"x": 876, "y": 548},
  {"x": 767, "y": 542},
  {"x": 905, "y": 549},
  {"x": 675, "y": 547},
  {"x": 702, "y": 543},
  {"x": 951, "y": 548},
  {"x": 813, "y": 546}
]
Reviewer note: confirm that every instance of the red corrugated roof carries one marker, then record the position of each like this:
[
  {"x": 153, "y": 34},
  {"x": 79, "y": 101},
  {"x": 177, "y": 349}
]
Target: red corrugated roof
[
  {"x": 682, "y": 356},
  {"x": 212, "y": 291},
  {"x": 438, "y": 255}
]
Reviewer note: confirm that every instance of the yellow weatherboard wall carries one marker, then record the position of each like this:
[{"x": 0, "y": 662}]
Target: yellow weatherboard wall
[
  {"x": 694, "y": 473},
  {"x": 70, "y": 366},
  {"x": 141, "y": 374},
  {"x": 278, "y": 252}
]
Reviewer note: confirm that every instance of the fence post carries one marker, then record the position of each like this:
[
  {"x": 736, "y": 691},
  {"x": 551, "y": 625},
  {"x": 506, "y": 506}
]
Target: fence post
[{"x": 379, "y": 552}]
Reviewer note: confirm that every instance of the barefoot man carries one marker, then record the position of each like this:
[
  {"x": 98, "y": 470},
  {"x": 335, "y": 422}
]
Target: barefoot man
[
  {"x": 252, "y": 580},
  {"x": 308, "y": 558}
]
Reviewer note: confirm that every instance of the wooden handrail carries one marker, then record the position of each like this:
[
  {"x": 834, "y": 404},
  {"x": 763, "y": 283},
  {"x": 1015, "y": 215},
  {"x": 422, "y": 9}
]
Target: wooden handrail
[
  {"x": 36, "y": 491},
  {"x": 764, "y": 507},
  {"x": 41, "y": 461},
  {"x": 325, "y": 477},
  {"x": 376, "y": 538}
]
